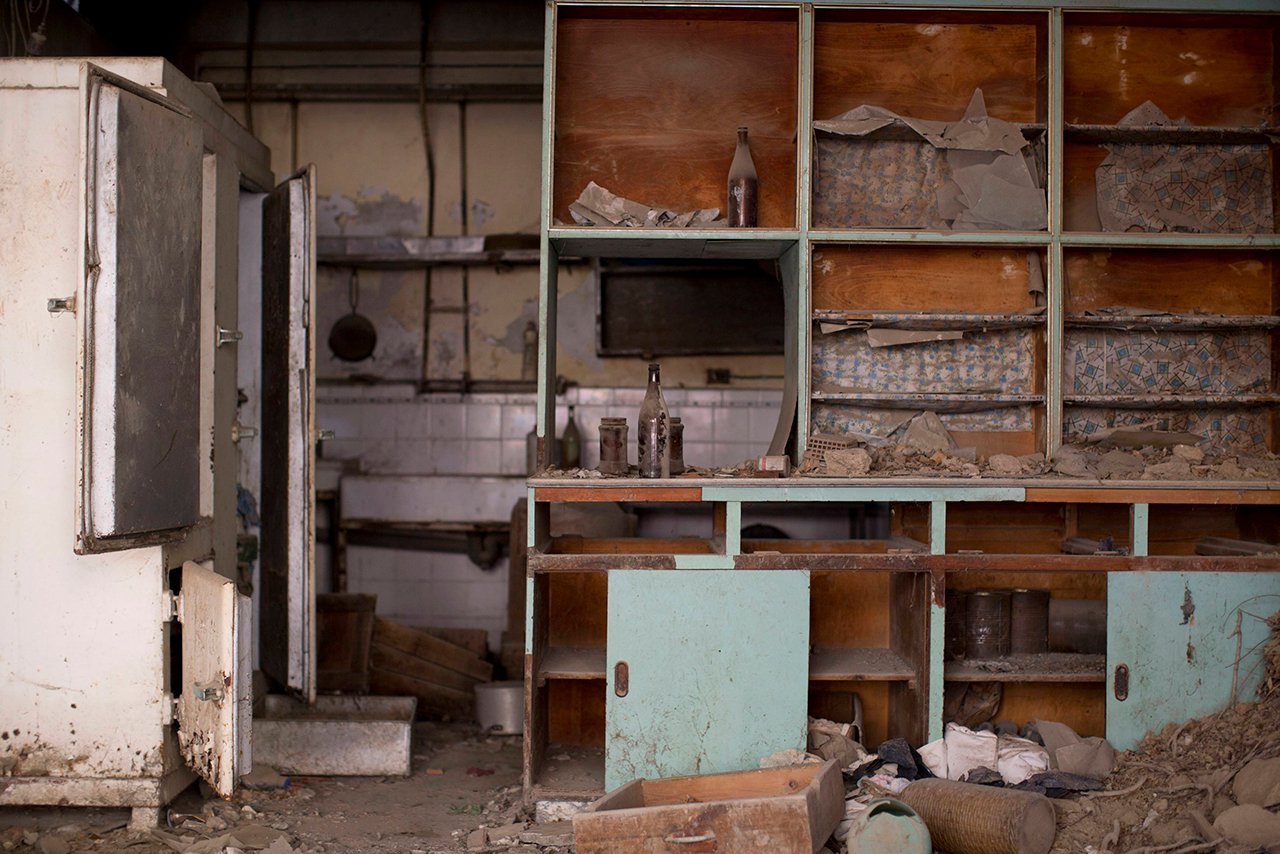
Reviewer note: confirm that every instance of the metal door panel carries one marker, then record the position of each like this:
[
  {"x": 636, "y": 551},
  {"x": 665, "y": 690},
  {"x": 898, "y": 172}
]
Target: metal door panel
[
  {"x": 140, "y": 318},
  {"x": 213, "y": 708},
  {"x": 1175, "y": 634},
  {"x": 717, "y": 670},
  {"x": 287, "y": 554}
]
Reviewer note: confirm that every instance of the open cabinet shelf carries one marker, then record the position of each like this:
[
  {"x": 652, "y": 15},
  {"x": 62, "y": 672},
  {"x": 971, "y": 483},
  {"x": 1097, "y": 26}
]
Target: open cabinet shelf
[{"x": 912, "y": 284}]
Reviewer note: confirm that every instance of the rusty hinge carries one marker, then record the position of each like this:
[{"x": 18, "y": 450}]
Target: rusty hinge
[
  {"x": 1121, "y": 686},
  {"x": 621, "y": 679}
]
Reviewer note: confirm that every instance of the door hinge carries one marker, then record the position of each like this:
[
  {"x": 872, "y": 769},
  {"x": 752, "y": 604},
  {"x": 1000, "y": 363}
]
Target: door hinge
[
  {"x": 228, "y": 336},
  {"x": 169, "y": 603},
  {"x": 57, "y": 305},
  {"x": 208, "y": 693},
  {"x": 240, "y": 431}
]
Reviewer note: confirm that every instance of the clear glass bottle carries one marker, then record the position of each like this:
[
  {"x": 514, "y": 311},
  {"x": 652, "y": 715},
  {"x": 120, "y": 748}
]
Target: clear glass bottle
[
  {"x": 742, "y": 185},
  {"x": 571, "y": 443},
  {"x": 653, "y": 428}
]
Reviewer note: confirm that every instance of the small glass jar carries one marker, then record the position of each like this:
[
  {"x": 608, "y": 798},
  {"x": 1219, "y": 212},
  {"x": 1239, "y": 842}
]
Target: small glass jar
[
  {"x": 613, "y": 446},
  {"x": 676, "y": 446}
]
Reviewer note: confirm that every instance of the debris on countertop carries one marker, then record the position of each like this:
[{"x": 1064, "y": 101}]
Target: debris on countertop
[{"x": 599, "y": 207}]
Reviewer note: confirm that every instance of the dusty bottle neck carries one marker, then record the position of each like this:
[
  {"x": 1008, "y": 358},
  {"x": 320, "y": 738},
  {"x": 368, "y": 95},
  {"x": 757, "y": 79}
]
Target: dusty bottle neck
[
  {"x": 742, "y": 136},
  {"x": 654, "y": 372}
]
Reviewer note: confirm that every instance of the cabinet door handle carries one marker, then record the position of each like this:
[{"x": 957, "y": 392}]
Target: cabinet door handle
[
  {"x": 1121, "y": 685},
  {"x": 621, "y": 679},
  {"x": 689, "y": 840}
]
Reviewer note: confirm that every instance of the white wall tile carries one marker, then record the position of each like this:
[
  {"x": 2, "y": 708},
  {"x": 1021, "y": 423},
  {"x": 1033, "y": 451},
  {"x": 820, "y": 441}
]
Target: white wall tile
[
  {"x": 483, "y": 421},
  {"x": 517, "y": 421},
  {"x": 732, "y": 424},
  {"x": 514, "y": 457},
  {"x": 483, "y": 456},
  {"x": 447, "y": 421}
]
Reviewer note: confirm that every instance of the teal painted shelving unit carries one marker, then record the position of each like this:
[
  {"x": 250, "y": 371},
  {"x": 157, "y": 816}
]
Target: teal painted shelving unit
[{"x": 631, "y": 104}]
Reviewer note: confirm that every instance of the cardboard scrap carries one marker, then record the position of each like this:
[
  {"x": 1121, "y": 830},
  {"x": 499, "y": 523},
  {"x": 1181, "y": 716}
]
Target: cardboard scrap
[
  {"x": 993, "y": 184},
  {"x": 599, "y": 207},
  {"x": 898, "y": 337}
]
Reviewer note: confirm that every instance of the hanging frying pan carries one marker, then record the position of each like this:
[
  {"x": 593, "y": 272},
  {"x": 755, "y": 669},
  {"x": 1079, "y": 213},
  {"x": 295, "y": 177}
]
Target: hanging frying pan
[{"x": 353, "y": 336}]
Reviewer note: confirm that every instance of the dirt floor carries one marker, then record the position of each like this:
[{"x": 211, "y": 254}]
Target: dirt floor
[{"x": 460, "y": 781}]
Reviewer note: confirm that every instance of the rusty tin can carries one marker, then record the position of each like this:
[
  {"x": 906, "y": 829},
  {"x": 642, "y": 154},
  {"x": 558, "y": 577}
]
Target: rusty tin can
[
  {"x": 987, "y": 624},
  {"x": 1028, "y": 621},
  {"x": 613, "y": 446}
]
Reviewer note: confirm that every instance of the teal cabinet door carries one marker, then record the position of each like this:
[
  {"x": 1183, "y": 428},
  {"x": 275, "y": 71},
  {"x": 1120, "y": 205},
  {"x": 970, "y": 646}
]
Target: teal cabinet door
[
  {"x": 708, "y": 670},
  {"x": 1171, "y": 636}
]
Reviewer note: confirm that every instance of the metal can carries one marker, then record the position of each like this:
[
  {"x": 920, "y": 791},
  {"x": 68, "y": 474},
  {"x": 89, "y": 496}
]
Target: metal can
[
  {"x": 1028, "y": 621},
  {"x": 613, "y": 446},
  {"x": 676, "y": 444},
  {"x": 954, "y": 647},
  {"x": 987, "y": 624}
]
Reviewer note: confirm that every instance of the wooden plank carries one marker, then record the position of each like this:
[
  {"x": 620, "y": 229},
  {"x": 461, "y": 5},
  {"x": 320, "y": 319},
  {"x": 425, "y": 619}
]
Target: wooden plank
[
  {"x": 912, "y": 278},
  {"x": 390, "y": 660},
  {"x": 909, "y": 633},
  {"x": 475, "y": 641},
  {"x": 1218, "y": 75},
  {"x": 854, "y": 665},
  {"x": 344, "y": 632},
  {"x": 1080, "y": 163},
  {"x": 577, "y": 610},
  {"x": 926, "y": 68},
  {"x": 1047, "y": 667},
  {"x": 575, "y": 712},
  {"x": 666, "y": 136},
  {"x": 573, "y": 662},
  {"x": 420, "y": 643},
  {"x": 849, "y": 610},
  {"x": 1167, "y": 495},
  {"x": 432, "y": 698},
  {"x": 631, "y": 545},
  {"x": 1204, "y": 281},
  {"x": 613, "y": 493},
  {"x": 1080, "y": 705}
]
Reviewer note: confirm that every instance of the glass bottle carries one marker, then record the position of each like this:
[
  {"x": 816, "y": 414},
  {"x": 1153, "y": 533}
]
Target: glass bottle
[
  {"x": 652, "y": 429},
  {"x": 742, "y": 185},
  {"x": 571, "y": 443}
]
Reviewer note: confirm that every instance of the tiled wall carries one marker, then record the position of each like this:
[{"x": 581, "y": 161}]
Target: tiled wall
[{"x": 393, "y": 432}]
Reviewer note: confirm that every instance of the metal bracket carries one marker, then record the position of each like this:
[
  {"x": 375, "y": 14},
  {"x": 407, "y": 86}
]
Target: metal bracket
[
  {"x": 170, "y": 604},
  {"x": 325, "y": 434},
  {"x": 208, "y": 693},
  {"x": 228, "y": 336},
  {"x": 57, "y": 305},
  {"x": 239, "y": 431}
]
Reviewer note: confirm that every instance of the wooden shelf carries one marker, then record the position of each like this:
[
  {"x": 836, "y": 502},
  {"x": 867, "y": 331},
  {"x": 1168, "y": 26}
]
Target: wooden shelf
[
  {"x": 580, "y": 777},
  {"x": 859, "y": 665},
  {"x": 573, "y": 662},
  {"x": 1174, "y": 322},
  {"x": 1170, "y": 134},
  {"x": 931, "y": 320},
  {"x": 927, "y": 400},
  {"x": 1046, "y": 667},
  {"x": 385, "y": 252},
  {"x": 700, "y": 243},
  {"x": 1149, "y": 401}
]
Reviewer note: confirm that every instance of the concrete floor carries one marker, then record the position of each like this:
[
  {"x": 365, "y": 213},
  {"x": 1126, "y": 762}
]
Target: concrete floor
[{"x": 460, "y": 781}]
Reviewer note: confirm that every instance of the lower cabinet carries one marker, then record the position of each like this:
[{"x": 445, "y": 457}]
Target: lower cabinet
[{"x": 707, "y": 670}]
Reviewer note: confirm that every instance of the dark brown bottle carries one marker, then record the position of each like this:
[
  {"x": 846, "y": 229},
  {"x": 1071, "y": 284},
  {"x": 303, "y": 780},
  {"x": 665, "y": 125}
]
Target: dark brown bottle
[{"x": 742, "y": 185}]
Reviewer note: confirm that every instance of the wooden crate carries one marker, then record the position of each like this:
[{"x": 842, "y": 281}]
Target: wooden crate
[{"x": 790, "y": 810}]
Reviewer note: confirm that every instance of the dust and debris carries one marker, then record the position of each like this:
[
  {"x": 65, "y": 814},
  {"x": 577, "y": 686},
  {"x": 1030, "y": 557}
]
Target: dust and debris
[{"x": 1196, "y": 786}]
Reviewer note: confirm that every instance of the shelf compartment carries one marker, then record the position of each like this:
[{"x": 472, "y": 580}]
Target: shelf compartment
[
  {"x": 666, "y": 136},
  {"x": 573, "y": 662},
  {"x": 868, "y": 664},
  {"x": 1044, "y": 667},
  {"x": 1178, "y": 529},
  {"x": 397, "y": 253},
  {"x": 1232, "y": 282},
  {"x": 579, "y": 777}
]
